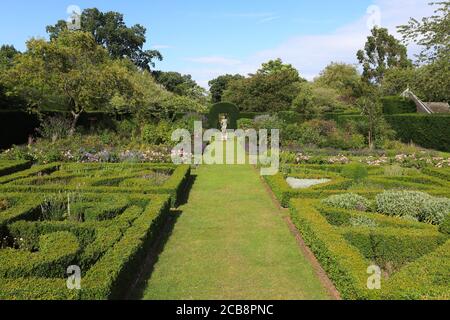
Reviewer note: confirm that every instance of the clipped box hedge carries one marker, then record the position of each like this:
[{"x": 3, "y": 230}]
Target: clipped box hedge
[
  {"x": 284, "y": 192},
  {"x": 9, "y": 167},
  {"x": 434, "y": 185},
  {"x": 109, "y": 249},
  {"x": 73, "y": 177},
  {"x": 346, "y": 252}
]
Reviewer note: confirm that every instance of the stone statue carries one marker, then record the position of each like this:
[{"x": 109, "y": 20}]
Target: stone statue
[{"x": 224, "y": 124}]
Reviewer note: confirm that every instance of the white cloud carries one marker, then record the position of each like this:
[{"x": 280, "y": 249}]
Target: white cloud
[{"x": 311, "y": 53}]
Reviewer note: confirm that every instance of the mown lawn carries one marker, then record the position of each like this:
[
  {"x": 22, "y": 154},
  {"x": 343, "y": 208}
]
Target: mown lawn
[{"x": 231, "y": 242}]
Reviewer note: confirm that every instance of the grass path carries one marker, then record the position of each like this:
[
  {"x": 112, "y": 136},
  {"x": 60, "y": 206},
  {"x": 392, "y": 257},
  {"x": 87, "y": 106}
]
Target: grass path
[{"x": 231, "y": 242}]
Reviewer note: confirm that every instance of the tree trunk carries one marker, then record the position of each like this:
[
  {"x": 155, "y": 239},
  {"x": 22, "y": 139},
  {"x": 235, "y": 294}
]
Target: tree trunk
[
  {"x": 73, "y": 127},
  {"x": 371, "y": 140}
]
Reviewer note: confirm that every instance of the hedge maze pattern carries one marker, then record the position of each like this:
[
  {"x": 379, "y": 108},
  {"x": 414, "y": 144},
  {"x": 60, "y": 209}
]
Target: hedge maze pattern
[
  {"x": 99, "y": 217},
  {"x": 414, "y": 257}
]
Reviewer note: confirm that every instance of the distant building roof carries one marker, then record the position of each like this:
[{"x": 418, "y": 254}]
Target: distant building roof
[{"x": 438, "y": 107}]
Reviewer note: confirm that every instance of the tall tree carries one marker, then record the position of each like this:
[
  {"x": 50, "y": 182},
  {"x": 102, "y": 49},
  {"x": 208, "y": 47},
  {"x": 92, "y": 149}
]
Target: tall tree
[
  {"x": 7, "y": 54},
  {"x": 372, "y": 112},
  {"x": 271, "y": 89},
  {"x": 342, "y": 77},
  {"x": 275, "y": 66},
  {"x": 72, "y": 69},
  {"x": 7, "y": 101},
  {"x": 432, "y": 33},
  {"x": 110, "y": 31},
  {"x": 220, "y": 84},
  {"x": 381, "y": 52},
  {"x": 182, "y": 85}
]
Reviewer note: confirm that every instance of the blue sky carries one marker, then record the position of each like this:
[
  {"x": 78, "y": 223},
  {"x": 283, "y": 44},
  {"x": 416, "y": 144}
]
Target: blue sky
[{"x": 209, "y": 38}]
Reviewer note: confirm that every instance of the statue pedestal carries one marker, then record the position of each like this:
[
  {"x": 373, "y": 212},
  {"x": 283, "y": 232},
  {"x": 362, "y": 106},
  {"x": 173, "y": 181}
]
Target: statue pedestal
[{"x": 225, "y": 137}]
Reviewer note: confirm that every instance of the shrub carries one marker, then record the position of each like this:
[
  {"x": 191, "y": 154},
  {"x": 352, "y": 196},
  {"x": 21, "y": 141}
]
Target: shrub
[
  {"x": 435, "y": 210},
  {"x": 355, "y": 172},
  {"x": 292, "y": 133},
  {"x": 346, "y": 141},
  {"x": 361, "y": 221},
  {"x": 55, "y": 128},
  {"x": 157, "y": 134},
  {"x": 417, "y": 205},
  {"x": 401, "y": 203},
  {"x": 245, "y": 124},
  {"x": 4, "y": 204},
  {"x": 445, "y": 226},
  {"x": 348, "y": 201},
  {"x": 346, "y": 251},
  {"x": 268, "y": 122},
  {"x": 310, "y": 135}
]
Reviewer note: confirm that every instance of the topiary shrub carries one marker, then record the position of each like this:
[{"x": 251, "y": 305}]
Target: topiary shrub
[
  {"x": 445, "y": 226},
  {"x": 349, "y": 201},
  {"x": 355, "y": 172},
  {"x": 417, "y": 205},
  {"x": 231, "y": 110}
]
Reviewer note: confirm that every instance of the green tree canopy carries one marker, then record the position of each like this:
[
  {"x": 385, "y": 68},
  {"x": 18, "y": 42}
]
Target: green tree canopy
[
  {"x": 430, "y": 80},
  {"x": 314, "y": 99},
  {"x": 220, "y": 84},
  {"x": 381, "y": 52},
  {"x": 342, "y": 77},
  {"x": 182, "y": 85},
  {"x": 110, "y": 31},
  {"x": 71, "y": 69},
  {"x": 432, "y": 33},
  {"x": 7, "y": 55},
  {"x": 277, "y": 66},
  {"x": 7, "y": 101},
  {"x": 269, "y": 90}
]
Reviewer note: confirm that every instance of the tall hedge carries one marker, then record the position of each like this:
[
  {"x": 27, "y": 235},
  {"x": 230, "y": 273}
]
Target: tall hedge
[
  {"x": 223, "y": 108},
  {"x": 398, "y": 105},
  {"x": 17, "y": 126},
  {"x": 428, "y": 131}
]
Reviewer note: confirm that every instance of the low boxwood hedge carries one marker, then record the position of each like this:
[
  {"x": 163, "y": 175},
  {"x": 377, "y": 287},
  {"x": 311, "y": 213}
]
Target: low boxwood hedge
[
  {"x": 9, "y": 167},
  {"x": 72, "y": 177},
  {"x": 284, "y": 192},
  {"x": 346, "y": 252},
  {"x": 109, "y": 251},
  {"x": 56, "y": 252}
]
